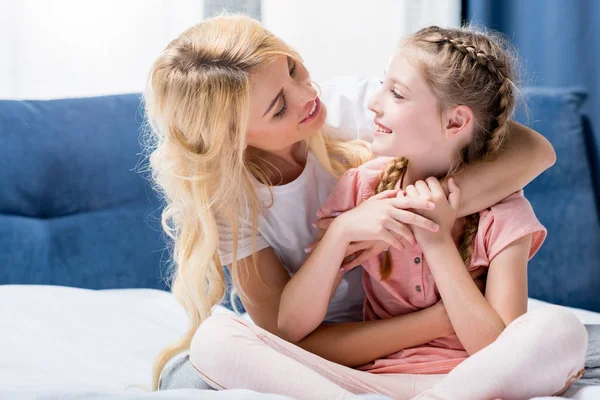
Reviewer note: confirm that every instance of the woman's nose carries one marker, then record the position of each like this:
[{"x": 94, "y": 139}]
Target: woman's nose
[{"x": 307, "y": 94}]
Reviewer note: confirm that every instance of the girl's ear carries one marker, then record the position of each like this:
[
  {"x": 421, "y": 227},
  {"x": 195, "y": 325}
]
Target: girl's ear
[{"x": 458, "y": 121}]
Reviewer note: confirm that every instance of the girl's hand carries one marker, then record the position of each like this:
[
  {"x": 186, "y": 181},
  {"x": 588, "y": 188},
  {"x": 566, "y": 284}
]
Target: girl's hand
[
  {"x": 444, "y": 213},
  {"x": 382, "y": 217}
]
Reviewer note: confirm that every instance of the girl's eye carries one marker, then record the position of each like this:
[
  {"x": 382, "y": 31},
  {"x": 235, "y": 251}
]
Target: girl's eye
[
  {"x": 293, "y": 70},
  {"x": 281, "y": 112},
  {"x": 396, "y": 95}
]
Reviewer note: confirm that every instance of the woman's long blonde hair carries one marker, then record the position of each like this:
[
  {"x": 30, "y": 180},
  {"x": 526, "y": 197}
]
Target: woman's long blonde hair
[
  {"x": 197, "y": 104},
  {"x": 463, "y": 66}
]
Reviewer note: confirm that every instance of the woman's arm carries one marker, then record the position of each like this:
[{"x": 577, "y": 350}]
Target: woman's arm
[
  {"x": 349, "y": 344},
  {"x": 483, "y": 184}
]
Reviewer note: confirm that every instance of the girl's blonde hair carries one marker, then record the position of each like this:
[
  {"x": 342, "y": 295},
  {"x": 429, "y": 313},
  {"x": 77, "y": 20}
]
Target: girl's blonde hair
[
  {"x": 463, "y": 66},
  {"x": 197, "y": 104}
]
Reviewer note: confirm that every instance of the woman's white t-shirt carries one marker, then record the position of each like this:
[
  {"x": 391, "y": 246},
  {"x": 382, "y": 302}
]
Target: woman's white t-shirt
[{"x": 286, "y": 226}]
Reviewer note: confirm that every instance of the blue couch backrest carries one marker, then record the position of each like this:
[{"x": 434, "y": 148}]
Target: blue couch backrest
[
  {"x": 75, "y": 211},
  {"x": 565, "y": 198}
]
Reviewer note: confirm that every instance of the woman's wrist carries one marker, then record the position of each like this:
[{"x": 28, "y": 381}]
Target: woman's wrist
[{"x": 338, "y": 232}]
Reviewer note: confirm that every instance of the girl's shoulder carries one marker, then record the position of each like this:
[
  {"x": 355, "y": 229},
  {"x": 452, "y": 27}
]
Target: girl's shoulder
[
  {"x": 506, "y": 222},
  {"x": 515, "y": 203},
  {"x": 354, "y": 187},
  {"x": 369, "y": 173}
]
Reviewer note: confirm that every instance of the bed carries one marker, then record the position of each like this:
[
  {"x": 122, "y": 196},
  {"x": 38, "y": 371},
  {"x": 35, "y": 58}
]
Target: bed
[{"x": 65, "y": 343}]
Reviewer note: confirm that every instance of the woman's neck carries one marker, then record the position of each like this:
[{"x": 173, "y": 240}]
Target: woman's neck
[{"x": 285, "y": 165}]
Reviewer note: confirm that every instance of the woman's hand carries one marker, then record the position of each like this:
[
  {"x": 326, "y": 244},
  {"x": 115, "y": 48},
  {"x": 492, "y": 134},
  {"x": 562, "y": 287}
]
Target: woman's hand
[{"x": 444, "y": 213}]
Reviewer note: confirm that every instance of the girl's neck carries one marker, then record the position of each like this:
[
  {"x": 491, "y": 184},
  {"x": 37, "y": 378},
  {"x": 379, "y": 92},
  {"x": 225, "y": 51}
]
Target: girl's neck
[{"x": 419, "y": 171}]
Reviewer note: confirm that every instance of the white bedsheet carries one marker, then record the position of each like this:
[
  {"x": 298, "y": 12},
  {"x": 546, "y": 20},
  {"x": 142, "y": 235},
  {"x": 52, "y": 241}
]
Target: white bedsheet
[{"x": 104, "y": 342}]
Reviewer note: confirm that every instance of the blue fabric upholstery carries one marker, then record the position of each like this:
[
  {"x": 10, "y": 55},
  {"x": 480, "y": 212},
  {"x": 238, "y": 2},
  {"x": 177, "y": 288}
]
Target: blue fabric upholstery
[
  {"x": 567, "y": 268},
  {"x": 74, "y": 210},
  {"x": 555, "y": 41}
]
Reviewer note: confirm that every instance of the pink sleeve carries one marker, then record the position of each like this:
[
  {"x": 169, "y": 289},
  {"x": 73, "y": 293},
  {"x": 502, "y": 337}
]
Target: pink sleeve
[
  {"x": 508, "y": 221},
  {"x": 351, "y": 190}
]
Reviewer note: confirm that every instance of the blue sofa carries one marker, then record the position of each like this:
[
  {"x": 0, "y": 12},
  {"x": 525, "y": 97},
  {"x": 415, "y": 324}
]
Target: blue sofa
[{"x": 76, "y": 211}]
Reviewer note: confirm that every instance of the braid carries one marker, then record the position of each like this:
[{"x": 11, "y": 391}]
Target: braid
[
  {"x": 498, "y": 136},
  {"x": 505, "y": 94},
  {"x": 393, "y": 174},
  {"x": 491, "y": 140},
  {"x": 467, "y": 238},
  {"x": 477, "y": 55}
]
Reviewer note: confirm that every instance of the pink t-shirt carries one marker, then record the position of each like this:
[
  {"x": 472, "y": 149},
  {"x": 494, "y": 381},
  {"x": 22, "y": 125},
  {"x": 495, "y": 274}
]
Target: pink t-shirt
[{"x": 411, "y": 286}]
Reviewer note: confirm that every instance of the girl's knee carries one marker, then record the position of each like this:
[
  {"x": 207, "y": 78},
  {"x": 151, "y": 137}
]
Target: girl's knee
[
  {"x": 562, "y": 320},
  {"x": 562, "y": 329}
]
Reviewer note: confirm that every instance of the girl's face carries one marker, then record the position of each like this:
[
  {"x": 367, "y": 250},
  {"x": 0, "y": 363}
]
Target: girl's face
[
  {"x": 285, "y": 106},
  {"x": 407, "y": 119}
]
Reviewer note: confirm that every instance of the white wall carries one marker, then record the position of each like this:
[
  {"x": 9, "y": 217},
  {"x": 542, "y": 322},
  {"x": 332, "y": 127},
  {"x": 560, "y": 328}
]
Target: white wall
[
  {"x": 352, "y": 37},
  {"x": 7, "y": 47},
  {"x": 70, "y": 48}
]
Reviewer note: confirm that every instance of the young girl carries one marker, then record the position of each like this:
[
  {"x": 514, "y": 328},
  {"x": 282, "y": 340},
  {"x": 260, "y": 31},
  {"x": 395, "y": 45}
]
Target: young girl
[
  {"x": 445, "y": 102},
  {"x": 451, "y": 112}
]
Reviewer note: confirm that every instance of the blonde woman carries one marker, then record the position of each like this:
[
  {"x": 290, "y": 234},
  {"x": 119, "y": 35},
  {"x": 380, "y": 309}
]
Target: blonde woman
[{"x": 243, "y": 156}]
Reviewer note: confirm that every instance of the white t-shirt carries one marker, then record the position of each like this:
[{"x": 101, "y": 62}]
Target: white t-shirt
[{"x": 286, "y": 226}]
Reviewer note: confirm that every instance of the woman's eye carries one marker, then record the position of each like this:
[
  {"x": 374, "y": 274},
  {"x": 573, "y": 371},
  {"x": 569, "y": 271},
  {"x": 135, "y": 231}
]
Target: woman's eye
[{"x": 281, "y": 112}]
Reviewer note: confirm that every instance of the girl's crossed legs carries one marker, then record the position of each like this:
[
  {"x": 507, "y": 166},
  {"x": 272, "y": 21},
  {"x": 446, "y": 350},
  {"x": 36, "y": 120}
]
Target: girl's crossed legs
[{"x": 540, "y": 353}]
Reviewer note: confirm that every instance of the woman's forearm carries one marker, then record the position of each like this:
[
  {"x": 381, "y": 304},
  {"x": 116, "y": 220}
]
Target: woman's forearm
[
  {"x": 475, "y": 321},
  {"x": 306, "y": 296},
  {"x": 526, "y": 154},
  {"x": 357, "y": 343}
]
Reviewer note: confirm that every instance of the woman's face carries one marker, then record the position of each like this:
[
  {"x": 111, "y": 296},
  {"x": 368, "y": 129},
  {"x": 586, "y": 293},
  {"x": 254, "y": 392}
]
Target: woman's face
[{"x": 285, "y": 106}]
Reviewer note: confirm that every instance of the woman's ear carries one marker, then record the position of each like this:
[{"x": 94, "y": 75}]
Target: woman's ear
[{"x": 458, "y": 121}]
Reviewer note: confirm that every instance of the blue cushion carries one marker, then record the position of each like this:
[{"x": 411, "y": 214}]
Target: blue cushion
[
  {"x": 567, "y": 268},
  {"x": 73, "y": 208}
]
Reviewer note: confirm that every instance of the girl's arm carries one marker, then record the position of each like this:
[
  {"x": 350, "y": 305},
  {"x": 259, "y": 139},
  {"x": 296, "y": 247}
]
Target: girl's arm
[
  {"x": 479, "y": 320},
  {"x": 349, "y": 344},
  {"x": 526, "y": 155}
]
